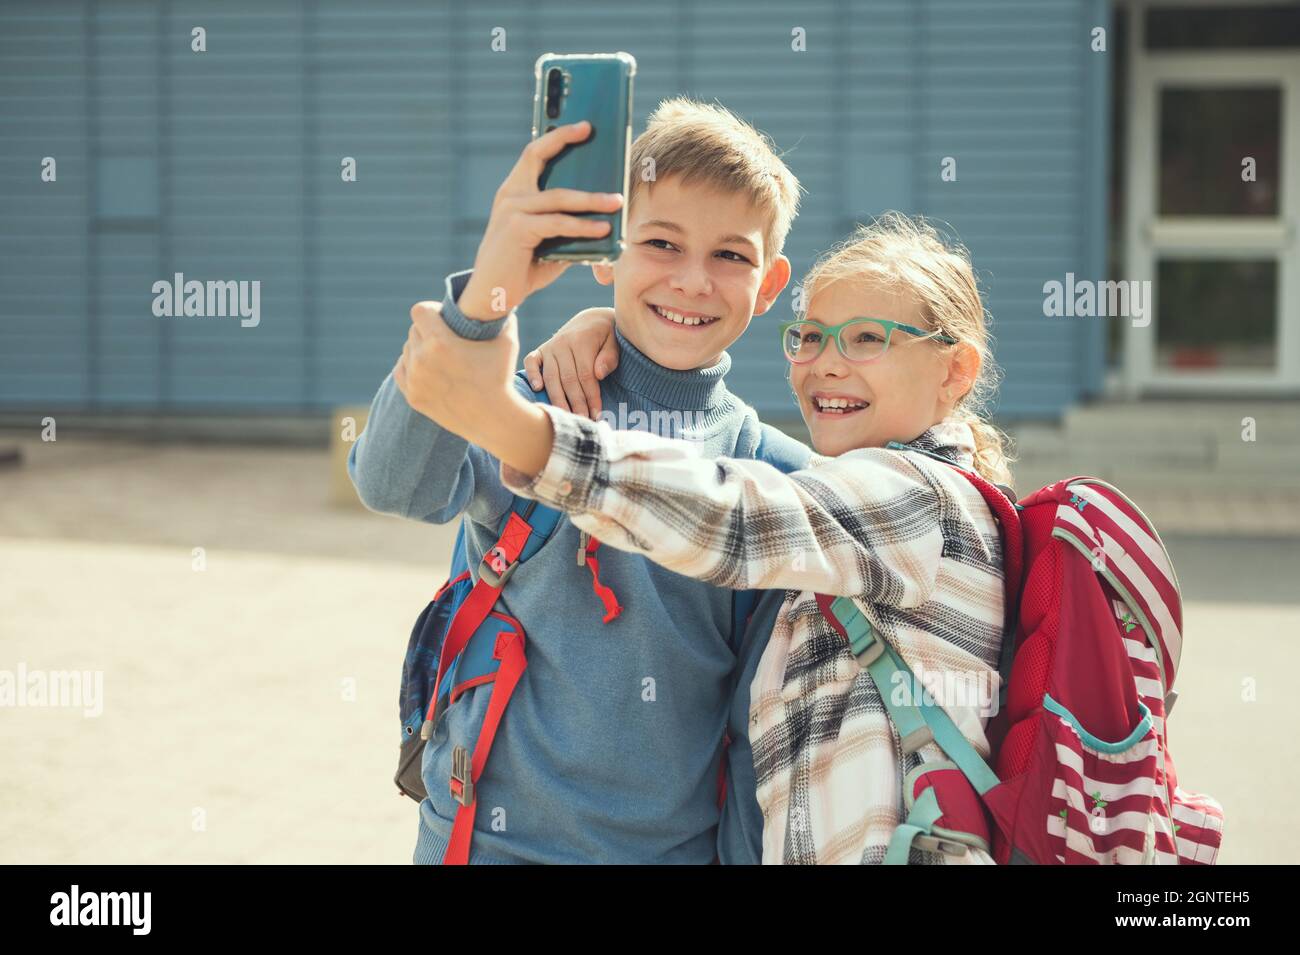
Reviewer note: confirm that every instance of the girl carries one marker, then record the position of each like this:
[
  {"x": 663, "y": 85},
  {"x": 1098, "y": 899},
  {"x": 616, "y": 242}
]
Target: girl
[{"x": 893, "y": 347}]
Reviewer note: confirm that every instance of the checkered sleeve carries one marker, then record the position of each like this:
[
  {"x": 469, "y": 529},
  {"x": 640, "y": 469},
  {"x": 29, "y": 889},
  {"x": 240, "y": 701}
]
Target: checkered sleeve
[{"x": 864, "y": 524}]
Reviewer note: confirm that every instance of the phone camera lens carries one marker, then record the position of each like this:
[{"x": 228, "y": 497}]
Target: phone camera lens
[{"x": 554, "y": 90}]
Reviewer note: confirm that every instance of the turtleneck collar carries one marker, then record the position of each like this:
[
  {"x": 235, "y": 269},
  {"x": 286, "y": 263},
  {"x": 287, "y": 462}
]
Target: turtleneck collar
[{"x": 702, "y": 388}]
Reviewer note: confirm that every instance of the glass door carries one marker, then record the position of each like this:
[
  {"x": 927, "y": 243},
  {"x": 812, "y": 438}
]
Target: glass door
[{"x": 1214, "y": 152}]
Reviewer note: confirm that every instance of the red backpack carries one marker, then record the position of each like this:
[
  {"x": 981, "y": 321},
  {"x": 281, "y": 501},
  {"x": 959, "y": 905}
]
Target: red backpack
[{"x": 1081, "y": 769}]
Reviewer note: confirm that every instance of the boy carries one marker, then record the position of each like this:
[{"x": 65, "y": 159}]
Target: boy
[{"x": 608, "y": 751}]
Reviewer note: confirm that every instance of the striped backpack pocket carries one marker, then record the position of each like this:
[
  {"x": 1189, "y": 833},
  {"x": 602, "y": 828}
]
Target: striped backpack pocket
[{"x": 1082, "y": 739}]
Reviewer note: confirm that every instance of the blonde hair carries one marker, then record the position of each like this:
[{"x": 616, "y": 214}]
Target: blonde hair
[
  {"x": 706, "y": 143},
  {"x": 899, "y": 251}
]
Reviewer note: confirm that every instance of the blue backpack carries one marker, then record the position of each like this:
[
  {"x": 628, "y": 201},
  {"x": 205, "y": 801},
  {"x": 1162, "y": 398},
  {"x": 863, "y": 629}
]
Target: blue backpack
[{"x": 466, "y": 638}]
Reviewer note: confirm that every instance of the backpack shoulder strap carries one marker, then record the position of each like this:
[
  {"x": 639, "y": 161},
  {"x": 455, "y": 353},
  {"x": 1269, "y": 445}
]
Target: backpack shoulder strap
[
  {"x": 919, "y": 720},
  {"x": 522, "y": 531}
]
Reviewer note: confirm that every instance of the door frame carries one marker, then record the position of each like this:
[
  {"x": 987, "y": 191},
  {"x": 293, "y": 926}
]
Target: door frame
[{"x": 1146, "y": 236}]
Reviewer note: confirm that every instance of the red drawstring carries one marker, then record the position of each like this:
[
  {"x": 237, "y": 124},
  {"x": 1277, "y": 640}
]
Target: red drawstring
[{"x": 612, "y": 608}]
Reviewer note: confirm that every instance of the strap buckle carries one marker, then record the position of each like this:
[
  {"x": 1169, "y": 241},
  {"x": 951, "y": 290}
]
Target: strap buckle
[
  {"x": 495, "y": 569},
  {"x": 875, "y": 646},
  {"x": 873, "y": 651},
  {"x": 936, "y": 844},
  {"x": 919, "y": 737},
  {"x": 462, "y": 771}
]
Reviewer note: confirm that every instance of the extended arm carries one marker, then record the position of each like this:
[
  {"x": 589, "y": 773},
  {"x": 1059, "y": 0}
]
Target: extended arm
[{"x": 865, "y": 524}]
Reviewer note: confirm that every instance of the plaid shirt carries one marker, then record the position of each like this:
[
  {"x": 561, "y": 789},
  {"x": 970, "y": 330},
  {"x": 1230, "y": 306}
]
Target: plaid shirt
[{"x": 904, "y": 535}]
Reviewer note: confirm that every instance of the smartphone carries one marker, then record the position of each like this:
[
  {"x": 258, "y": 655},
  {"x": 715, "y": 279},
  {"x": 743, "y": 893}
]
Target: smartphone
[{"x": 596, "y": 87}]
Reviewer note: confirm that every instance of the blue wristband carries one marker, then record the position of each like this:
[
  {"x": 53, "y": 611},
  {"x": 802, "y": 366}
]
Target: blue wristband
[{"x": 457, "y": 321}]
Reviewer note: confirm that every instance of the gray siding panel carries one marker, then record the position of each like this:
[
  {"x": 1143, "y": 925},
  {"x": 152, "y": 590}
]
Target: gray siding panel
[{"x": 225, "y": 165}]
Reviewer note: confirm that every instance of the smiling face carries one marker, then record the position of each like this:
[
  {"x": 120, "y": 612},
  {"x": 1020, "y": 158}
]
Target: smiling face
[
  {"x": 695, "y": 271},
  {"x": 894, "y": 398}
]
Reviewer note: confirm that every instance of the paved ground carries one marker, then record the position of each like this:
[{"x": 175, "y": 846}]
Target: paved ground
[{"x": 249, "y": 708}]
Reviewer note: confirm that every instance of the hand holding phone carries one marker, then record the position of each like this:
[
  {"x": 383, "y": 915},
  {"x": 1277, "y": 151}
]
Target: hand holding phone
[{"x": 523, "y": 216}]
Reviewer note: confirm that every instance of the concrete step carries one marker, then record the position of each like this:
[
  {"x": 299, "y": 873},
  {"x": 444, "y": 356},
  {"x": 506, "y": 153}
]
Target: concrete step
[
  {"x": 1192, "y": 445},
  {"x": 1258, "y": 512},
  {"x": 1263, "y": 465},
  {"x": 1160, "y": 452},
  {"x": 1254, "y": 457},
  {"x": 1274, "y": 421},
  {"x": 1235, "y": 478},
  {"x": 1189, "y": 479}
]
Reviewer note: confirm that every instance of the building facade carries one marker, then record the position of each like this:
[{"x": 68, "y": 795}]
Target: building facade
[{"x": 231, "y": 163}]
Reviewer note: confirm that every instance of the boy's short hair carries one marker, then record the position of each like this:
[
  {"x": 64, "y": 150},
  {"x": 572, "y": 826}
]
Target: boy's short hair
[{"x": 706, "y": 143}]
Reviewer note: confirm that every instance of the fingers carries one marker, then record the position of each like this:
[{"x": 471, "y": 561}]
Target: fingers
[
  {"x": 533, "y": 368},
  {"x": 570, "y": 200},
  {"x": 542, "y": 149},
  {"x": 547, "y": 226},
  {"x": 554, "y": 388},
  {"x": 586, "y": 388},
  {"x": 424, "y": 315},
  {"x": 399, "y": 370},
  {"x": 607, "y": 358},
  {"x": 582, "y": 354},
  {"x": 571, "y": 381},
  {"x": 590, "y": 390}
]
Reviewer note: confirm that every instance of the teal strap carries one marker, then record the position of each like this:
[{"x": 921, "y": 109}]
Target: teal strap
[
  {"x": 919, "y": 820},
  {"x": 857, "y": 626},
  {"x": 871, "y": 653},
  {"x": 1101, "y": 745},
  {"x": 915, "y": 720}
]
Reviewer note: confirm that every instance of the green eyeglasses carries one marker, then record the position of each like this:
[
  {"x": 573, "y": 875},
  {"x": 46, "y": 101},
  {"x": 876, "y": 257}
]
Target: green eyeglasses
[{"x": 859, "y": 339}]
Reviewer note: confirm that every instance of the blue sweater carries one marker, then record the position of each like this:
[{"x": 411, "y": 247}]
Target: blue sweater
[{"x": 609, "y": 749}]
